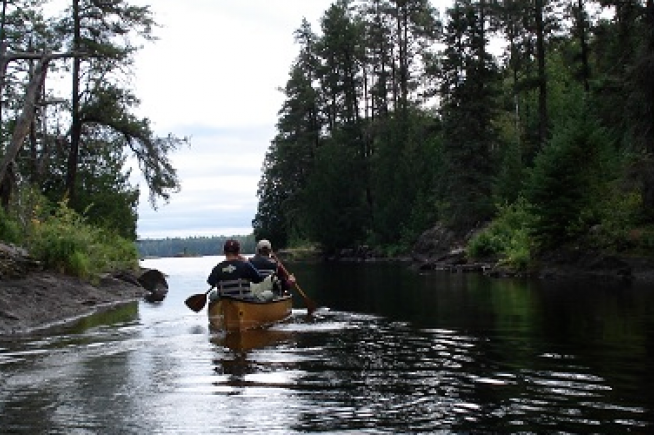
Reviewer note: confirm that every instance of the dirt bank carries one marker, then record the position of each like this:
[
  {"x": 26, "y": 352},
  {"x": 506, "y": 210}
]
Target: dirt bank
[
  {"x": 34, "y": 298},
  {"x": 42, "y": 299}
]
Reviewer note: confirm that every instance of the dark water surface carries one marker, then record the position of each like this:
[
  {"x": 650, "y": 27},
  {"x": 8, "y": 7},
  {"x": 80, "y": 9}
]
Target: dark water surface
[{"x": 394, "y": 352}]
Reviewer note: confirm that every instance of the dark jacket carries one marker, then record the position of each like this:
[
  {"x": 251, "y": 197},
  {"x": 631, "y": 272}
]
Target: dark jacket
[
  {"x": 265, "y": 265},
  {"x": 232, "y": 270}
]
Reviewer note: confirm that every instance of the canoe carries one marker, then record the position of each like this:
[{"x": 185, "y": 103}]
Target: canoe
[{"x": 232, "y": 314}]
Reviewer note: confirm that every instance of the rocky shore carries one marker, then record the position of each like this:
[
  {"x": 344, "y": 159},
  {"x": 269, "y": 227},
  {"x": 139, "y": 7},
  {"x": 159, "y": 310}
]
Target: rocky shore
[
  {"x": 32, "y": 298},
  {"x": 440, "y": 249}
]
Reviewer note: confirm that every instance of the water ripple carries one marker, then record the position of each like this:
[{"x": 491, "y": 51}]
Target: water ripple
[{"x": 333, "y": 373}]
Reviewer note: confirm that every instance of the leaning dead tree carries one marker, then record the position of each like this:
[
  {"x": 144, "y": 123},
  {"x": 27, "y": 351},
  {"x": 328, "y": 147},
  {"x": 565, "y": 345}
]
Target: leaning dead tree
[{"x": 26, "y": 117}]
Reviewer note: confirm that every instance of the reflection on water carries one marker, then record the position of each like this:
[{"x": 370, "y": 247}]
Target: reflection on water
[
  {"x": 245, "y": 341},
  {"x": 394, "y": 352}
]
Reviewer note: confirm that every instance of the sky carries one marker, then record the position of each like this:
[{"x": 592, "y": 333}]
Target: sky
[{"x": 214, "y": 76}]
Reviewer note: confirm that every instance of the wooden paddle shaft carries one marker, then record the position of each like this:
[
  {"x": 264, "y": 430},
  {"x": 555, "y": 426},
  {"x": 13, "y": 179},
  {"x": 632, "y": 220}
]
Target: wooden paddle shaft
[{"x": 310, "y": 304}]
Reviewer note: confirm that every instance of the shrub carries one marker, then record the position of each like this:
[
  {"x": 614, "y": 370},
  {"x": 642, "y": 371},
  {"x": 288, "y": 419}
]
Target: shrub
[
  {"x": 9, "y": 229},
  {"x": 484, "y": 244},
  {"x": 65, "y": 242},
  {"x": 507, "y": 237},
  {"x": 518, "y": 252},
  {"x": 79, "y": 265}
]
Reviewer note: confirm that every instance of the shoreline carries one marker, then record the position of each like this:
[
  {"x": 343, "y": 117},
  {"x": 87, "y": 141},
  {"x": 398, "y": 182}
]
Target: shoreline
[
  {"x": 43, "y": 299},
  {"x": 40, "y": 300},
  {"x": 563, "y": 264},
  {"x": 33, "y": 298}
]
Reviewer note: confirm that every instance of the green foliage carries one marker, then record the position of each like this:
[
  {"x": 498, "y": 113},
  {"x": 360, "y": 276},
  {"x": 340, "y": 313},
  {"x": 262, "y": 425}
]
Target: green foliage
[
  {"x": 509, "y": 181},
  {"x": 404, "y": 169},
  {"x": 110, "y": 32},
  {"x": 24, "y": 209},
  {"x": 362, "y": 156},
  {"x": 421, "y": 216},
  {"x": 290, "y": 158},
  {"x": 118, "y": 131},
  {"x": 77, "y": 149},
  {"x": 470, "y": 83},
  {"x": 485, "y": 244},
  {"x": 9, "y": 229},
  {"x": 78, "y": 264},
  {"x": 622, "y": 225},
  {"x": 569, "y": 179},
  {"x": 64, "y": 241},
  {"x": 507, "y": 238},
  {"x": 618, "y": 224},
  {"x": 337, "y": 211},
  {"x": 105, "y": 197}
]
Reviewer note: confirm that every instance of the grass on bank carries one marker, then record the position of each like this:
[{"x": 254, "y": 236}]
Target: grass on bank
[
  {"x": 507, "y": 238},
  {"x": 615, "y": 228},
  {"x": 63, "y": 241}
]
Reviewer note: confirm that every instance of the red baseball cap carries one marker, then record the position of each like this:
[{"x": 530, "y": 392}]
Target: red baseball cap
[{"x": 232, "y": 246}]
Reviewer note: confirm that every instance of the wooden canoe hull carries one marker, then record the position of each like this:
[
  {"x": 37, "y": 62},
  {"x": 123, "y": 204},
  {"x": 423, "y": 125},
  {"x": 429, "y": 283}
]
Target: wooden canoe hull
[{"x": 231, "y": 314}]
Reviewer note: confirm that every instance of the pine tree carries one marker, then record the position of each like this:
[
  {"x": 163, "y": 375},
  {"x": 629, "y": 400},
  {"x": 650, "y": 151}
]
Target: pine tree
[{"x": 469, "y": 79}]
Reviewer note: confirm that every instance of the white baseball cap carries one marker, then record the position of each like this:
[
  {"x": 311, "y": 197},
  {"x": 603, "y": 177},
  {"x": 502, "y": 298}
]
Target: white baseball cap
[{"x": 264, "y": 244}]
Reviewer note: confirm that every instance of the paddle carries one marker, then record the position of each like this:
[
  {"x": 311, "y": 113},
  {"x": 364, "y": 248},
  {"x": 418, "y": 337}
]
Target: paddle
[
  {"x": 197, "y": 302},
  {"x": 311, "y": 306}
]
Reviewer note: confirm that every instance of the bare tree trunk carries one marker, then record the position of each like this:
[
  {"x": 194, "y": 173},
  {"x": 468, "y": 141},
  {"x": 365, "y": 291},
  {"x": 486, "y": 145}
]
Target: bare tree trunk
[
  {"x": 542, "y": 78},
  {"x": 76, "y": 125},
  {"x": 23, "y": 125},
  {"x": 582, "y": 25},
  {"x": 3, "y": 59},
  {"x": 25, "y": 119},
  {"x": 649, "y": 56}
]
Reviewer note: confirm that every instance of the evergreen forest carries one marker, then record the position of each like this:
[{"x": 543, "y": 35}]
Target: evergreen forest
[
  {"x": 191, "y": 246},
  {"x": 532, "y": 120}
]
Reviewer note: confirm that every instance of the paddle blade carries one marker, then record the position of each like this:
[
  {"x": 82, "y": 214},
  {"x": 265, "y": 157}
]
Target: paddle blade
[
  {"x": 196, "y": 302},
  {"x": 311, "y": 307}
]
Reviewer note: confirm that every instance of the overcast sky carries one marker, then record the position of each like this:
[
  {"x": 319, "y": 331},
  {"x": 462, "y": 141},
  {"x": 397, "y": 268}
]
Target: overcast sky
[{"x": 213, "y": 76}]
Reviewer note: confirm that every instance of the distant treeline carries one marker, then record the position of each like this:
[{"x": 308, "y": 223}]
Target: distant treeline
[{"x": 191, "y": 246}]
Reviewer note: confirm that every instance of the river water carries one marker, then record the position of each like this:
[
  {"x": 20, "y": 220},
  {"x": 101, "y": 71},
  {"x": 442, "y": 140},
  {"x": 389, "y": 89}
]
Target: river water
[{"x": 389, "y": 351}]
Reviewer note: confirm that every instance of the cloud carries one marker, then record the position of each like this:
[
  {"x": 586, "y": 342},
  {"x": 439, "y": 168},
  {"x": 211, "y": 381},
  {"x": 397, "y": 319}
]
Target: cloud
[
  {"x": 220, "y": 62},
  {"x": 219, "y": 174},
  {"x": 214, "y": 75}
]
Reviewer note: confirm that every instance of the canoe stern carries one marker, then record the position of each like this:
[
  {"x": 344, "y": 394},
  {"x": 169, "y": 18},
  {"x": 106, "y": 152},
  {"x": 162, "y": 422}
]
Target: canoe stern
[{"x": 231, "y": 314}]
